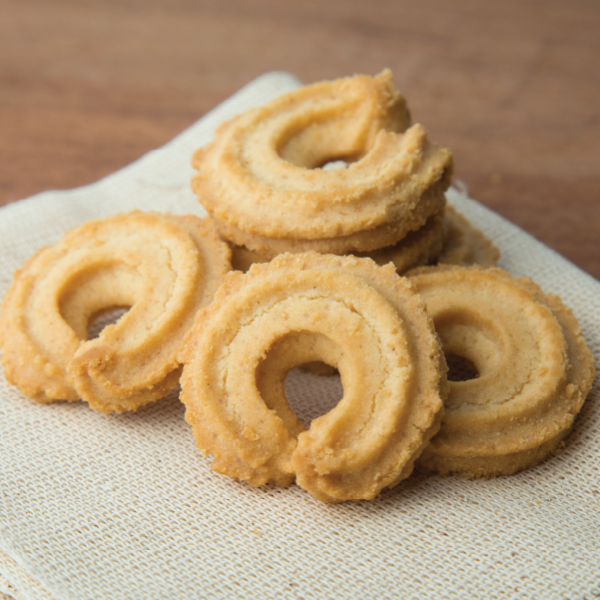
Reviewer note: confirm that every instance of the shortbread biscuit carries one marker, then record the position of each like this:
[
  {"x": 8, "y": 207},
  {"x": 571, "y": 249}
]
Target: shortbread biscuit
[
  {"x": 362, "y": 319},
  {"x": 162, "y": 268},
  {"x": 531, "y": 370}
]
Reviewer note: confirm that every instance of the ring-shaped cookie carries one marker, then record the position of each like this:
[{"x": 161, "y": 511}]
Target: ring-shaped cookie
[
  {"x": 162, "y": 268},
  {"x": 531, "y": 370},
  {"x": 345, "y": 311},
  {"x": 260, "y": 176}
]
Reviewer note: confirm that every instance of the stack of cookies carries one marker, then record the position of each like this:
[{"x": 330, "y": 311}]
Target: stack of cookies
[{"x": 268, "y": 183}]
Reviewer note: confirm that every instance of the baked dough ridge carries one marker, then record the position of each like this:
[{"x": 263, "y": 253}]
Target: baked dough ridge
[
  {"x": 534, "y": 367},
  {"x": 162, "y": 267},
  {"x": 259, "y": 177},
  {"x": 363, "y": 319}
]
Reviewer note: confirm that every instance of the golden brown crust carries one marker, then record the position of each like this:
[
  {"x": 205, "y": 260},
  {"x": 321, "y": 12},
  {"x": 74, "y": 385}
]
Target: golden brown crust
[
  {"x": 417, "y": 248},
  {"x": 420, "y": 247},
  {"x": 259, "y": 177},
  {"x": 465, "y": 244},
  {"x": 301, "y": 308},
  {"x": 363, "y": 242},
  {"x": 534, "y": 370},
  {"x": 163, "y": 267}
]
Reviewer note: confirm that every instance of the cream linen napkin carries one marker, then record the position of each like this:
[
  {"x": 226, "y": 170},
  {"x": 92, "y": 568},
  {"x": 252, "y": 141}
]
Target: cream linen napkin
[{"x": 124, "y": 507}]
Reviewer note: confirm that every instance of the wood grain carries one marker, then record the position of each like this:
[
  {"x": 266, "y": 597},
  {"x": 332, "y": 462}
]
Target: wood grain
[{"x": 513, "y": 87}]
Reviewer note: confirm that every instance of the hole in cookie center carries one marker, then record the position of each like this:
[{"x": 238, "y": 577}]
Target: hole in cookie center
[
  {"x": 288, "y": 387},
  {"x": 103, "y": 319},
  {"x": 98, "y": 294},
  {"x": 334, "y": 164},
  {"x": 329, "y": 138},
  {"x": 460, "y": 368},
  {"x": 310, "y": 395}
]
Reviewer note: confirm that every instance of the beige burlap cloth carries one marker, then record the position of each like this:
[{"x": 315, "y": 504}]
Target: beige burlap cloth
[{"x": 124, "y": 507}]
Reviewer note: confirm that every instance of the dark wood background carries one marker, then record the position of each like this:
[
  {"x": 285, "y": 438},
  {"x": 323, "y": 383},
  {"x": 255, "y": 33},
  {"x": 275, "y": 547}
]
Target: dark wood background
[{"x": 511, "y": 86}]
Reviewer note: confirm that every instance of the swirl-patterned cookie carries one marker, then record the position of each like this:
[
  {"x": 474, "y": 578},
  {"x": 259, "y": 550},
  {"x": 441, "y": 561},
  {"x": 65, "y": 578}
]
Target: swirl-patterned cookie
[
  {"x": 260, "y": 177},
  {"x": 526, "y": 370},
  {"x": 161, "y": 268},
  {"x": 362, "y": 319}
]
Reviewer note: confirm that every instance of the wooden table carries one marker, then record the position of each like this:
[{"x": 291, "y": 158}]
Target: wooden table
[{"x": 512, "y": 86}]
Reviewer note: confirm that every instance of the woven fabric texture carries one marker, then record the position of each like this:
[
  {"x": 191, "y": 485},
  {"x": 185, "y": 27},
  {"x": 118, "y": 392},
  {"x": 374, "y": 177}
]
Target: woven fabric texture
[{"x": 99, "y": 507}]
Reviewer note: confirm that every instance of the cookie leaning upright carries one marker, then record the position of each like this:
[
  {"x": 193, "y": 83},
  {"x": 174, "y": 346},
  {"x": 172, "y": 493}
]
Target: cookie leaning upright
[
  {"x": 530, "y": 370},
  {"x": 464, "y": 244},
  {"x": 362, "y": 319},
  {"x": 162, "y": 268},
  {"x": 261, "y": 181}
]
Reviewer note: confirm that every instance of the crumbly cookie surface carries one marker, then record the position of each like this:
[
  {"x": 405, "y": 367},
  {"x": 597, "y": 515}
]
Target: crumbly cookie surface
[
  {"x": 347, "y": 312},
  {"x": 259, "y": 177},
  {"x": 416, "y": 248},
  {"x": 162, "y": 268},
  {"x": 532, "y": 370}
]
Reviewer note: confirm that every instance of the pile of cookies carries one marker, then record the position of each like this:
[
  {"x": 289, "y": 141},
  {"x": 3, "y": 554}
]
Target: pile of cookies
[
  {"x": 266, "y": 182},
  {"x": 452, "y": 368}
]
